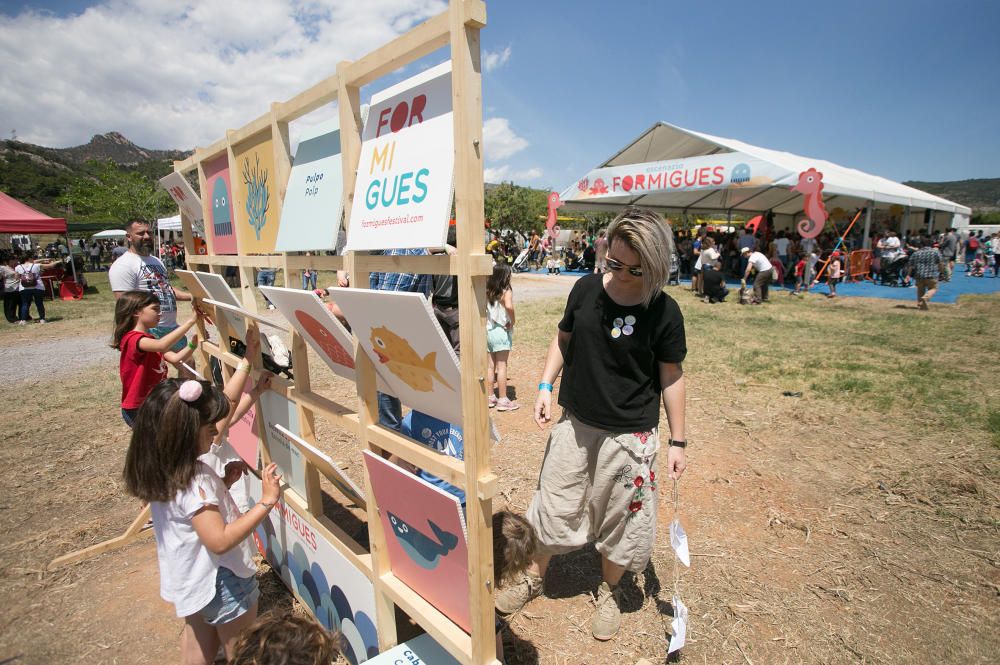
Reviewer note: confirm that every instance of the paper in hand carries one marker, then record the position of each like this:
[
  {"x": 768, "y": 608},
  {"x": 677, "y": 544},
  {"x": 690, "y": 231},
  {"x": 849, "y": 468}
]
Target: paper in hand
[
  {"x": 679, "y": 541},
  {"x": 678, "y": 627}
]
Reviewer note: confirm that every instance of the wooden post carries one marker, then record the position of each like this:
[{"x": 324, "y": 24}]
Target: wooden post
[
  {"x": 349, "y": 107},
  {"x": 466, "y": 95}
]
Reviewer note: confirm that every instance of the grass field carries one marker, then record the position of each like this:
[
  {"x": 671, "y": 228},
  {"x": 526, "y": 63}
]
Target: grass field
[{"x": 858, "y": 522}]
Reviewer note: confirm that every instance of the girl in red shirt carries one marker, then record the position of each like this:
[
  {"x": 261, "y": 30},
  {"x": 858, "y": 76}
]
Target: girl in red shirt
[{"x": 144, "y": 357}]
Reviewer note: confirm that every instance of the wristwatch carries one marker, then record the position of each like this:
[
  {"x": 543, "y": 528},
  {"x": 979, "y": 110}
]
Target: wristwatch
[{"x": 678, "y": 444}]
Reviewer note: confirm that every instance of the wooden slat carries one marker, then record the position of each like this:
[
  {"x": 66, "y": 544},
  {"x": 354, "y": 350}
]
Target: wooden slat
[
  {"x": 466, "y": 91},
  {"x": 255, "y": 261},
  {"x": 425, "y": 38},
  {"x": 339, "y": 415},
  {"x": 137, "y": 529},
  {"x": 310, "y": 99},
  {"x": 445, "y": 631},
  {"x": 259, "y": 318},
  {"x": 250, "y": 130},
  {"x": 438, "y": 264}
]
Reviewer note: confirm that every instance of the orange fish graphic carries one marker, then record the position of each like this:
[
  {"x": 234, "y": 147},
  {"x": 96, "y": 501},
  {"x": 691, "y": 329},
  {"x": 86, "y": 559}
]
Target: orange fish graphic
[{"x": 399, "y": 357}]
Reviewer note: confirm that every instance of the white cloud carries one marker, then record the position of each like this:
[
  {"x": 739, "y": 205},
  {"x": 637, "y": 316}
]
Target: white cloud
[
  {"x": 177, "y": 75},
  {"x": 506, "y": 173},
  {"x": 500, "y": 141},
  {"x": 494, "y": 59}
]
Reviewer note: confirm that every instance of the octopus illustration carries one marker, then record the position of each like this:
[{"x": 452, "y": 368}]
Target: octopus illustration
[
  {"x": 399, "y": 357},
  {"x": 810, "y": 185}
]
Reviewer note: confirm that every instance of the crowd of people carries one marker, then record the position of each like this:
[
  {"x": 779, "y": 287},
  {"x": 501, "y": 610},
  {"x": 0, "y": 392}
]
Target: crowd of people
[
  {"x": 179, "y": 460},
  {"x": 617, "y": 355}
]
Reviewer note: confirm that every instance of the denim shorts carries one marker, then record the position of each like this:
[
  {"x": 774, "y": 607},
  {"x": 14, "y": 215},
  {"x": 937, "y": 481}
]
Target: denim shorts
[
  {"x": 128, "y": 415},
  {"x": 234, "y": 596}
]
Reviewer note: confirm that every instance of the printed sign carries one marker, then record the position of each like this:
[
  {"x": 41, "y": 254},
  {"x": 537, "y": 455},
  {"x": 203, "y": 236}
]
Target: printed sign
[
  {"x": 407, "y": 166},
  {"x": 217, "y": 289},
  {"x": 280, "y": 414},
  {"x": 404, "y": 340},
  {"x": 422, "y": 650},
  {"x": 338, "y": 594},
  {"x": 722, "y": 171},
  {"x": 219, "y": 198},
  {"x": 328, "y": 337},
  {"x": 257, "y": 207},
  {"x": 314, "y": 200},
  {"x": 183, "y": 195},
  {"x": 333, "y": 473},
  {"x": 425, "y": 537}
]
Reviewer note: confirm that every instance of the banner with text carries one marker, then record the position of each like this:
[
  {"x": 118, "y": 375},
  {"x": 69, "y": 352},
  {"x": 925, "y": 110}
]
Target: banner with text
[
  {"x": 723, "y": 171},
  {"x": 314, "y": 200},
  {"x": 407, "y": 166}
]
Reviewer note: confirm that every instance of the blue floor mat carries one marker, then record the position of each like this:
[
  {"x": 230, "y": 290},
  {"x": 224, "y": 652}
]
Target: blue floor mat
[{"x": 948, "y": 292}]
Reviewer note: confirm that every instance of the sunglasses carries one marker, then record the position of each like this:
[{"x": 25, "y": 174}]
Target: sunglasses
[{"x": 635, "y": 271}]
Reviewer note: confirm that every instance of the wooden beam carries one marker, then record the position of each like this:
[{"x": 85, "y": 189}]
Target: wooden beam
[
  {"x": 425, "y": 38},
  {"x": 466, "y": 95},
  {"x": 256, "y": 261},
  {"x": 323, "y": 93},
  {"x": 135, "y": 530},
  {"x": 445, "y": 631},
  {"x": 339, "y": 415}
]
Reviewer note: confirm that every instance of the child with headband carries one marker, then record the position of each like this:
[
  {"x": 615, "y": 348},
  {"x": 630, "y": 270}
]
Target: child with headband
[{"x": 205, "y": 558}]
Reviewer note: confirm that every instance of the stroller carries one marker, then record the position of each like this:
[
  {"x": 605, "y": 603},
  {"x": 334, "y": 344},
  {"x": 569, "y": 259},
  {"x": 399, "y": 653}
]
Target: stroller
[
  {"x": 892, "y": 270},
  {"x": 521, "y": 262}
]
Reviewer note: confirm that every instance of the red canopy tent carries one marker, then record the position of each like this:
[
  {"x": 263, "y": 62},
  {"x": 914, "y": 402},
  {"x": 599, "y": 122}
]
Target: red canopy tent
[{"x": 15, "y": 217}]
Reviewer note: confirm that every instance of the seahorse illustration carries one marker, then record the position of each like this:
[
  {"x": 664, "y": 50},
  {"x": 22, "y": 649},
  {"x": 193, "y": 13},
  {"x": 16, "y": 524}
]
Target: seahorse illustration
[{"x": 811, "y": 186}]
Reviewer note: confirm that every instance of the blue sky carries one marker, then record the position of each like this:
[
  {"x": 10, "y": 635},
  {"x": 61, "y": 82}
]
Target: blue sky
[{"x": 906, "y": 90}]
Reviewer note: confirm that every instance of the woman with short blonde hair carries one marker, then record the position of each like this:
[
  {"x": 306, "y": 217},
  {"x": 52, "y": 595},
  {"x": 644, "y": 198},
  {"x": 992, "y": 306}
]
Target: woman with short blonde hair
[{"x": 619, "y": 347}]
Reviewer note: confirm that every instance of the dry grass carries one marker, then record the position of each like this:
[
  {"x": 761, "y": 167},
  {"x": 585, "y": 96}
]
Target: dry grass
[{"x": 855, "y": 524}]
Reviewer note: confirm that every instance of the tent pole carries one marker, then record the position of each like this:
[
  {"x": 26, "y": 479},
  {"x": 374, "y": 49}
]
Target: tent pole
[
  {"x": 930, "y": 223},
  {"x": 905, "y": 224},
  {"x": 72, "y": 263},
  {"x": 866, "y": 241}
]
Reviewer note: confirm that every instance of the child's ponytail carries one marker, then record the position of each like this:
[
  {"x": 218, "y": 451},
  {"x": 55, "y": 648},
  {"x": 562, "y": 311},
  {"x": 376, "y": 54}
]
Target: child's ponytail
[{"x": 163, "y": 453}]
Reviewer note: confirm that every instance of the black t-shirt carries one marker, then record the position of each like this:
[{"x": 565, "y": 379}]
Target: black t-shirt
[
  {"x": 714, "y": 285},
  {"x": 611, "y": 377}
]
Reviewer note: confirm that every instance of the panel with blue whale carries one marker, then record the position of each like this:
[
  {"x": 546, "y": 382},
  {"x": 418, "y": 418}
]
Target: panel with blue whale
[{"x": 425, "y": 536}]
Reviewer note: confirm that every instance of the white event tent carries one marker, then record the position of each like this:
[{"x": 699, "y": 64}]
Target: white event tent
[
  {"x": 679, "y": 170},
  {"x": 167, "y": 224}
]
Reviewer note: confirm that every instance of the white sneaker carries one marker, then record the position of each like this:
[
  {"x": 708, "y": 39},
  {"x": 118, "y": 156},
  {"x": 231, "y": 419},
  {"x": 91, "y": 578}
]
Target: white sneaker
[
  {"x": 504, "y": 404},
  {"x": 41, "y": 320},
  {"x": 22, "y": 323}
]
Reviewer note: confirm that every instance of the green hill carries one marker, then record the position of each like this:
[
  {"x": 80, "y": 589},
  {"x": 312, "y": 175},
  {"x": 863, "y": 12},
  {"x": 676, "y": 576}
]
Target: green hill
[
  {"x": 38, "y": 176},
  {"x": 981, "y": 194}
]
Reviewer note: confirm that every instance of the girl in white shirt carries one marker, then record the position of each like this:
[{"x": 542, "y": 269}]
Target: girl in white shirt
[{"x": 205, "y": 560}]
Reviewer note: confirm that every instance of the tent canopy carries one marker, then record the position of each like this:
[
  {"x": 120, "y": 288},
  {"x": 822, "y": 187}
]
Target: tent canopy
[
  {"x": 110, "y": 233},
  {"x": 677, "y": 169},
  {"x": 16, "y": 217},
  {"x": 169, "y": 223}
]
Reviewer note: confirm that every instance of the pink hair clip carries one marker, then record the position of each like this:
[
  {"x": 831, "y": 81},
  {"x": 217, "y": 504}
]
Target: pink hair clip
[{"x": 190, "y": 390}]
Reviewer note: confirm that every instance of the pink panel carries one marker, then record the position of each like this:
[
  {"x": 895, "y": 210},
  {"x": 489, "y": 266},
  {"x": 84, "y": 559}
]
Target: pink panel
[
  {"x": 425, "y": 536},
  {"x": 220, "y": 221}
]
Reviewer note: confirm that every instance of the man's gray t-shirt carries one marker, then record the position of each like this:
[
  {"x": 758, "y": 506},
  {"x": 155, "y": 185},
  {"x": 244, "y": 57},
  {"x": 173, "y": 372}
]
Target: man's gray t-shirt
[{"x": 132, "y": 272}]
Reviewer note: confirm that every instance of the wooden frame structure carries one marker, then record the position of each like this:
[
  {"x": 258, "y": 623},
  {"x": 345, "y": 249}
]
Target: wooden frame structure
[{"x": 458, "y": 29}]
